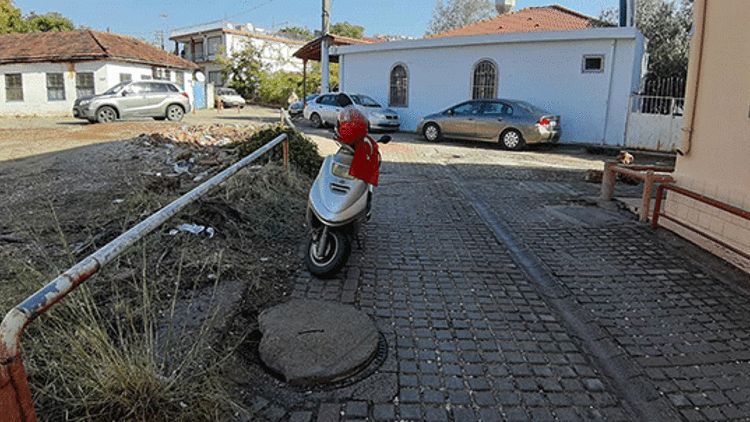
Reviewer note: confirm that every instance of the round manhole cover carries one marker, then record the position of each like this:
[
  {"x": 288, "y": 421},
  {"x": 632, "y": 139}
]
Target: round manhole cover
[{"x": 313, "y": 342}]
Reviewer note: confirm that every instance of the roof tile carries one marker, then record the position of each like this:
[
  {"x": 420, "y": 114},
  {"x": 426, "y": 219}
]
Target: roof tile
[
  {"x": 83, "y": 45},
  {"x": 530, "y": 19}
]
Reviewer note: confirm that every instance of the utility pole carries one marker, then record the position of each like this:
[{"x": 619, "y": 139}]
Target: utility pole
[{"x": 324, "y": 80}]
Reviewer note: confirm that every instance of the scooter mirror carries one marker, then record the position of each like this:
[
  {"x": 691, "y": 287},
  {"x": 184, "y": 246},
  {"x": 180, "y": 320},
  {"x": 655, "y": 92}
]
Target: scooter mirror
[{"x": 384, "y": 139}]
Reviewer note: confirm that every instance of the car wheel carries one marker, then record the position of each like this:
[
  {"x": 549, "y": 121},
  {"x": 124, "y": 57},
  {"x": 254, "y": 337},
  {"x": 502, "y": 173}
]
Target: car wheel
[
  {"x": 512, "y": 139},
  {"x": 316, "y": 120},
  {"x": 432, "y": 132},
  {"x": 106, "y": 114},
  {"x": 175, "y": 113}
]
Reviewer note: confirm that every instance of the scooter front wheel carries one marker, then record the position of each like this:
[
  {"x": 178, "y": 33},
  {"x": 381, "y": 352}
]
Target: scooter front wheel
[{"x": 327, "y": 256}]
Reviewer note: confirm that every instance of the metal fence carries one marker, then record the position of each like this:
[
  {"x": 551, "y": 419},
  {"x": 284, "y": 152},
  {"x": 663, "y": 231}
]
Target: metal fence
[
  {"x": 16, "y": 403},
  {"x": 661, "y": 96}
]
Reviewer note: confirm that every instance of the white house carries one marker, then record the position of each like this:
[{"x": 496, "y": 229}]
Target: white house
[
  {"x": 203, "y": 44},
  {"x": 43, "y": 73},
  {"x": 570, "y": 64}
]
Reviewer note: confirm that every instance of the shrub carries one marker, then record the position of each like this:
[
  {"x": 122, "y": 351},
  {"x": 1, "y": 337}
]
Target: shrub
[{"x": 303, "y": 153}]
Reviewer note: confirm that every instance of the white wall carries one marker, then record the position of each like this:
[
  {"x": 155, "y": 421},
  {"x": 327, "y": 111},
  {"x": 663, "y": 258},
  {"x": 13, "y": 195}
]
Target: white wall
[
  {"x": 35, "y": 102},
  {"x": 545, "y": 70}
]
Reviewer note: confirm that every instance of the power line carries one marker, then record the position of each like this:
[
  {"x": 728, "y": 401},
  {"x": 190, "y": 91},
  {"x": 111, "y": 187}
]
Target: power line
[{"x": 250, "y": 10}]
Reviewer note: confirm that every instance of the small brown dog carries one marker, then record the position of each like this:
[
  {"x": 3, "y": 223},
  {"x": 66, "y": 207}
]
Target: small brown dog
[{"x": 624, "y": 157}]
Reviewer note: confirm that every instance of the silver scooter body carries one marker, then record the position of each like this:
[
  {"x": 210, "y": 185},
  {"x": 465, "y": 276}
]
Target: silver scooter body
[{"x": 337, "y": 199}]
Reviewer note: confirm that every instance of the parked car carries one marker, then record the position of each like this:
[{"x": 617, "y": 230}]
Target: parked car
[
  {"x": 229, "y": 97},
  {"x": 513, "y": 123},
  {"x": 325, "y": 109},
  {"x": 158, "y": 99},
  {"x": 295, "y": 109}
]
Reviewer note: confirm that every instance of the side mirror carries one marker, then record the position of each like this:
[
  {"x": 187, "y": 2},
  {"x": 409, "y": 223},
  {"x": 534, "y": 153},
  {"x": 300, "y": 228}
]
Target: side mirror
[
  {"x": 126, "y": 93},
  {"x": 449, "y": 112},
  {"x": 384, "y": 139}
]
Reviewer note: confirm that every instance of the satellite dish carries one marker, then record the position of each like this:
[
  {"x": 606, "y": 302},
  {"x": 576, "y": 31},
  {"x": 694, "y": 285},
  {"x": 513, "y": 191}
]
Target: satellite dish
[
  {"x": 504, "y": 6},
  {"x": 199, "y": 76}
]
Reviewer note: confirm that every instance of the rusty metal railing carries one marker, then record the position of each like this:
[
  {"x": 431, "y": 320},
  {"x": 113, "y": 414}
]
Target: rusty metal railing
[
  {"x": 16, "y": 403},
  {"x": 649, "y": 174},
  {"x": 705, "y": 200}
]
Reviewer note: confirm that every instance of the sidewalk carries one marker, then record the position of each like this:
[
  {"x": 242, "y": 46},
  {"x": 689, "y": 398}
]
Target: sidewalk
[{"x": 505, "y": 294}]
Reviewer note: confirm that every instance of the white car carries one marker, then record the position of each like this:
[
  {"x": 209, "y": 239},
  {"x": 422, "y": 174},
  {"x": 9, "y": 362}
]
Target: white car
[
  {"x": 325, "y": 109},
  {"x": 229, "y": 97}
]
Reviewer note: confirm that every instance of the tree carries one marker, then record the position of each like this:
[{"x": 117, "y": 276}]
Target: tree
[
  {"x": 666, "y": 25},
  {"x": 244, "y": 70},
  {"x": 10, "y": 18},
  {"x": 51, "y": 22},
  {"x": 458, "y": 13},
  {"x": 346, "y": 29},
  {"x": 297, "y": 33}
]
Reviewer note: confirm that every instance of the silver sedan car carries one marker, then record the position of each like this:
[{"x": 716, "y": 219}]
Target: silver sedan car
[
  {"x": 513, "y": 123},
  {"x": 325, "y": 109}
]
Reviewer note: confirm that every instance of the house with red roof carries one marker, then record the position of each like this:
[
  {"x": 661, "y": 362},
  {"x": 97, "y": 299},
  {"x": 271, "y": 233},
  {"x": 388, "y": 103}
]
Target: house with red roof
[
  {"x": 570, "y": 64},
  {"x": 43, "y": 73}
]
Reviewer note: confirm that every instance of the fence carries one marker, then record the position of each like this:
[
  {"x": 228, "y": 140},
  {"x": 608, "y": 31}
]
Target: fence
[
  {"x": 16, "y": 404},
  {"x": 655, "y": 115}
]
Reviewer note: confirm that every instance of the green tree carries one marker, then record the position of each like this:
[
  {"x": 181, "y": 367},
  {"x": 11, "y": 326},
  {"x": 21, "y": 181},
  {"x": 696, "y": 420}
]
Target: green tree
[
  {"x": 458, "y": 13},
  {"x": 297, "y": 33},
  {"x": 666, "y": 25},
  {"x": 10, "y": 18},
  {"x": 51, "y": 22},
  {"x": 244, "y": 69},
  {"x": 346, "y": 29}
]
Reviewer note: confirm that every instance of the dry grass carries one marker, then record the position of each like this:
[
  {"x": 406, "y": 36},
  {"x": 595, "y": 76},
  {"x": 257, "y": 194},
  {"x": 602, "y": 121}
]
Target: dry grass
[{"x": 142, "y": 340}]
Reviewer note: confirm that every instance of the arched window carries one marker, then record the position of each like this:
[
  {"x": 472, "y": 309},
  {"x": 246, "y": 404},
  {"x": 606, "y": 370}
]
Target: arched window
[
  {"x": 399, "y": 92},
  {"x": 484, "y": 81}
]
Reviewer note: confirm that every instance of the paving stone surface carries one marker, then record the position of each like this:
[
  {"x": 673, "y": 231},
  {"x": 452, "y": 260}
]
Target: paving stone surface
[{"x": 505, "y": 294}]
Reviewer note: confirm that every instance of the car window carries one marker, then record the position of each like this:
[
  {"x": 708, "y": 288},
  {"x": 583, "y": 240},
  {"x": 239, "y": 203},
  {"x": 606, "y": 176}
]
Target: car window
[
  {"x": 467, "y": 108},
  {"x": 365, "y": 101},
  {"x": 329, "y": 100},
  {"x": 136, "y": 89},
  {"x": 157, "y": 88},
  {"x": 343, "y": 101},
  {"x": 115, "y": 88},
  {"x": 497, "y": 109},
  {"x": 172, "y": 88}
]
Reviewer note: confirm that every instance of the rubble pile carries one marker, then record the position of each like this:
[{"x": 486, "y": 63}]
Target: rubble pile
[
  {"x": 188, "y": 153},
  {"x": 203, "y": 135}
]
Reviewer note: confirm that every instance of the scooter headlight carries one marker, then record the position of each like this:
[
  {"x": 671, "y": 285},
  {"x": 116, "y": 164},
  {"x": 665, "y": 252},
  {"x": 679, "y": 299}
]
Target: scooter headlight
[{"x": 342, "y": 171}]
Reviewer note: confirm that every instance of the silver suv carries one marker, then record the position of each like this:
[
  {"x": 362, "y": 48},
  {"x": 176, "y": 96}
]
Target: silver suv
[
  {"x": 157, "y": 99},
  {"x": 325, "y": 109}
]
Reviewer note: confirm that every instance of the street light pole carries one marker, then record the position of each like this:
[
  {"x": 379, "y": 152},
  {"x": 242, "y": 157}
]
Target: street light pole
[{"x": 324, "y": 79}]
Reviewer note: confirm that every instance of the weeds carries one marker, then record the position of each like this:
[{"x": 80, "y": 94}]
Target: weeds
[{"x": 142, "y": 340}]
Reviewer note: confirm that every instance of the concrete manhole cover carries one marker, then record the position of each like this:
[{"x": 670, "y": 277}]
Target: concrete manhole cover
[{"x": 309, "y": 342}]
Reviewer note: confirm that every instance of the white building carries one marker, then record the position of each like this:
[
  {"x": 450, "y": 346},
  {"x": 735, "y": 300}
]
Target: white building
[
  {"x": 567, "y": 63},
  {"x": 203, "y": 44},
  {"x": 43, "y": 73}
]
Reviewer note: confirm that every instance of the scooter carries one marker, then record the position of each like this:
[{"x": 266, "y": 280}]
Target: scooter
[{"x": 337, "y": 207}]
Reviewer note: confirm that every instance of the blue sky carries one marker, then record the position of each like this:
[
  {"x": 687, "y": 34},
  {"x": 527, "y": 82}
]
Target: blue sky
[{"x": 142, "y": 18}]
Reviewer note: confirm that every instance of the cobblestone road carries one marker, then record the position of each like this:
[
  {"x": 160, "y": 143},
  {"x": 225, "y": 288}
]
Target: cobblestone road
[{"x": 505, "y": 294}]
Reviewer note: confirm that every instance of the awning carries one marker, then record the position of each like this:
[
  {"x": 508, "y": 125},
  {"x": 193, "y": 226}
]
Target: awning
[{"x": 311, "y": 50}]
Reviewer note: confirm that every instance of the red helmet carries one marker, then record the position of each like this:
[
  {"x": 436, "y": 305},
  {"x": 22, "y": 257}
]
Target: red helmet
[{"x": 352, "y": 125}]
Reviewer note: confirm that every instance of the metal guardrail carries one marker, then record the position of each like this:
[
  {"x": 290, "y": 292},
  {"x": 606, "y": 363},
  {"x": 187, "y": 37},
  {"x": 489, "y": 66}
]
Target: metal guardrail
[
  {"x": 649, "y": 175},
  {"x": 16, "y": 403},
  {"x": 705, "y": 200}
]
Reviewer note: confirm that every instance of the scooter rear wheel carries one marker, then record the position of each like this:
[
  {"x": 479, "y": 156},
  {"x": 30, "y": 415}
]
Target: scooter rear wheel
[{"x": 333, "y": 258}]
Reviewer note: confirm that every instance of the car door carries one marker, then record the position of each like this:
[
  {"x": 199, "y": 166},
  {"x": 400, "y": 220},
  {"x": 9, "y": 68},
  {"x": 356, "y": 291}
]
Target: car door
[
  {"x": 459, "y": 121},
  {"x": 132, "y": 100},
  {"x": 155, "y": 99},
  {"x": 332, "y": 113},
  {"x": 320, "y": 104},
  {"x": 492, "y": 120}
]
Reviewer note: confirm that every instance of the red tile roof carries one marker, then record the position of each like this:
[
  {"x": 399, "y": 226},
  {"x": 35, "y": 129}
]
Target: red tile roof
[
  {"x": 84, "y": 45},
  {"x": 530, "y": 19}
]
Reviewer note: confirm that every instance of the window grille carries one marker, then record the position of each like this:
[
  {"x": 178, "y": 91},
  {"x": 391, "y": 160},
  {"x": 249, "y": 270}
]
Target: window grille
[
  {"x": 55, "y": 87},
  {"x": 484, "y": 83},
  {"x": 399, "y": 92},
  {"x": 13, "y": 87},
  {"x": 84, "y": 84}
]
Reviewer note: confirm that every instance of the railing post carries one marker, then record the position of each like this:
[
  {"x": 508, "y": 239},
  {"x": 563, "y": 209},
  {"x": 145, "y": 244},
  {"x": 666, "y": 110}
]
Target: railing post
[
  {"x": 16, "y": 402},
  {"x": 286, "y": 153},
  {"x": 657, "y": 206},
  {"x": 648, "y": 188},
  {"x": 608, "y": 181}
]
